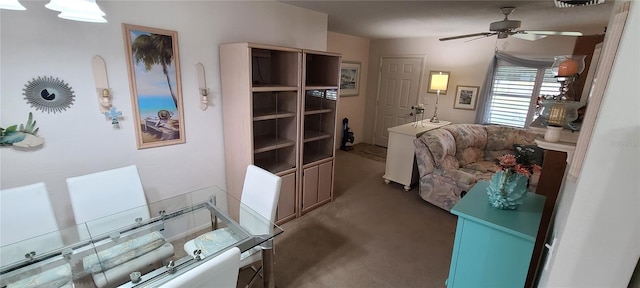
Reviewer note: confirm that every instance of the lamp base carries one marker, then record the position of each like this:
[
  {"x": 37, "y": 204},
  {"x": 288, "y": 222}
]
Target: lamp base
[{"x": 434, "y": 119}]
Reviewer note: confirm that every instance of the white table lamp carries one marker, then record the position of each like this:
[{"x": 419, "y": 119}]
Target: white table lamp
[{"x": 438, "y": 82}]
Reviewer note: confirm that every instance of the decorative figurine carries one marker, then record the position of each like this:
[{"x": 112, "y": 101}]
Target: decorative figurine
[{"x": 114, "y": 115}]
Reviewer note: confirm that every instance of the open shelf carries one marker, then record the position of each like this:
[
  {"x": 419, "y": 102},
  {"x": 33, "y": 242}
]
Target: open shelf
[
  {"x": 317, "y": 150},
  {"x": 318, "y": 111},
  {"x": 274, "y": 166},
  {"x": 273, "y": 88},
  {"x": 268, "y": 114},
  {"x": 276, "y": 161},
  {"x": 274, "y": 68},
  {"x": 314, "y": 135},
  {"x": 321, "y": 70},
  {"x": 319, "y": 87},
  {"x": 267, "y": 143},
  {"x": 274, "y": 105}
]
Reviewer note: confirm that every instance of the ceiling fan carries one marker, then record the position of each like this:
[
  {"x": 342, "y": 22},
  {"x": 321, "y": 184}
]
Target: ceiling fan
[{"x": 506, "y": 28}]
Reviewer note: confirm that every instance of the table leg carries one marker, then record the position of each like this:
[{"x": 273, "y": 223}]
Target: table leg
[{"x": 268, "y": 263}]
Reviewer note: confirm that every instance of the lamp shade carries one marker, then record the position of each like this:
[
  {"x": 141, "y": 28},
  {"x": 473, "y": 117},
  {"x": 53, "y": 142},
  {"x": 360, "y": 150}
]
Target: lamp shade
[
  {"x": 11, "y": 5},
  {"x": 79, "y": 10},
  {"x": 568, "y": 65},
  {"x": 82, "y": 17},
  {"x": 438, "y": 81}
]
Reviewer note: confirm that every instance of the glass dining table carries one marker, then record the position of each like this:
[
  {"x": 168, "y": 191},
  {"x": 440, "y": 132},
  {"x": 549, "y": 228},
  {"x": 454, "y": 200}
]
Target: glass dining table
[{"x": 140, "y": 247}]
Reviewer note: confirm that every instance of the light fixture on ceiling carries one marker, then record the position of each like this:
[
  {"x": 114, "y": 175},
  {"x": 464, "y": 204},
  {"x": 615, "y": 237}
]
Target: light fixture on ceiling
[
  {"x": 11, "y": 5},
  {"x": 438, "y": 82},
  {"x": 575, "y": 3},
  {"x": 78, "y": 10}
]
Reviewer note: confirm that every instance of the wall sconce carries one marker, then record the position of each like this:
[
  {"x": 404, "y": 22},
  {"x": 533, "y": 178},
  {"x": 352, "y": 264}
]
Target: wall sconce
[
  {"x": 438, "y": 82},
  {"x": 203, "y": 91},
  {"x": 102, "y": 83}
]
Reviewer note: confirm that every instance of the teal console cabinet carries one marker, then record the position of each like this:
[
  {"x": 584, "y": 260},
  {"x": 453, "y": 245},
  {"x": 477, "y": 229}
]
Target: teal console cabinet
[{"x": 493, "y": 247}]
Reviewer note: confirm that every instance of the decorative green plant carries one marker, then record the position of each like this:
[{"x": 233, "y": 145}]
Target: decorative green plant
[{"x": 12, "y": 134}]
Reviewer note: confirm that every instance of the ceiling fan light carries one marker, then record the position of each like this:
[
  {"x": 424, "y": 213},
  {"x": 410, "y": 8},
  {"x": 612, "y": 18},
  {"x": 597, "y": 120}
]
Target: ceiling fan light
[
  {"x": 576, "y": 3},
  {"x": 82, "y": 17},
  {"x": 11, "y": 5},
  {"x": 89, "y": 7}
]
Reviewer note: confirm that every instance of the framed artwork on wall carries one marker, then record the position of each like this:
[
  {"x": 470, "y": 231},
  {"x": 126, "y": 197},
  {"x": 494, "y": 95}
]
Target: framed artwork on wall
[
  {"x": 349, "y": 78},
  {"x": 466, "y": 97},
  {"x": 156, "y": 89}
]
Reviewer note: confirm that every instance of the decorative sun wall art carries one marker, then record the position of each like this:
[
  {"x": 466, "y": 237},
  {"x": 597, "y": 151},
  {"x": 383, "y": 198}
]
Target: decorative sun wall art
[{"x": 48, "y": 94}]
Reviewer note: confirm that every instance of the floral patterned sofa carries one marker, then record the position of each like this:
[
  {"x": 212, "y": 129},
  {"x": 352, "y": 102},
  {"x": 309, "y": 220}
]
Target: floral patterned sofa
[{"x": 453, "y": 158}]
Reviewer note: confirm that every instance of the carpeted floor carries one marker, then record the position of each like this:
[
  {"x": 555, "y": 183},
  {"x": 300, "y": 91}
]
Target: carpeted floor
[
  {"x": 369, "y": 151},
  {"x": 371, "y": 235}
]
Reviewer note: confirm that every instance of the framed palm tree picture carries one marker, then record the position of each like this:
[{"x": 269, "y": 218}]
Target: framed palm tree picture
[{"x": 156, "y": 89}]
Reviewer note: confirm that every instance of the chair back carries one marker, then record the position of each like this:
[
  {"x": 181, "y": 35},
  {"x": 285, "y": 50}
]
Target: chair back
[
  {"x": 25, "y": 212},
  {"x": 108, "y": 200},
  {"x": 260, "y": 193},
  {"x": 220, "y": 271}
]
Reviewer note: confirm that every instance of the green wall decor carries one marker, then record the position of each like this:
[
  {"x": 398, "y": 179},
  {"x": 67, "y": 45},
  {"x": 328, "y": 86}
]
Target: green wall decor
[{"x": 24, "y": 137}]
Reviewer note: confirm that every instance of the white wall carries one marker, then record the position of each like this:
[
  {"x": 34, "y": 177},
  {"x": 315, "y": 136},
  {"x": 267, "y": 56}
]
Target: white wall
[
  {"x": 352, "y": 49},
  {"x": 80, "y": 140},
  {"x": 599, "y": 230},
  {"x": 467, "y": 62}
]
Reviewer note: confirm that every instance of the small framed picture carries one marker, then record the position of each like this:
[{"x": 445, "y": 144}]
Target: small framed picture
[
  {"x": 349, "y": 78},
  {"x": 466, "y": 97}
]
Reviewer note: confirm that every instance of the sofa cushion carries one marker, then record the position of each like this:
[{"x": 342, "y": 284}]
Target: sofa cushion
[
  {"x": 492, "y": 155},
  {"x": 479, "y": 175},
  {"x": 470, "y": 141},
  {"x": 502, "y": 137},
  {"x": 483, "y": 166},
  {"x": 442, "y": 146}
]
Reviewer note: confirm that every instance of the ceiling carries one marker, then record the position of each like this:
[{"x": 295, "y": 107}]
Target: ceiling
[{"x": 410, "y": 19}]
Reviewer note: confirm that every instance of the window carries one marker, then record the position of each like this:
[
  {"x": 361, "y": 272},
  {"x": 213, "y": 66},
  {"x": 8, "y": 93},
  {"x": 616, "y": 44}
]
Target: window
[{"x": 515, "y": 91}]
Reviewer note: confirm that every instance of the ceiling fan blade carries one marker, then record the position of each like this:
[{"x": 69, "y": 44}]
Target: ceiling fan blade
[
  {"x": 485, "y": 34},
  {"x": 482, "y": 36},
  {"x": 530, "y": 37},
  {"x": 559, "y": 33}
]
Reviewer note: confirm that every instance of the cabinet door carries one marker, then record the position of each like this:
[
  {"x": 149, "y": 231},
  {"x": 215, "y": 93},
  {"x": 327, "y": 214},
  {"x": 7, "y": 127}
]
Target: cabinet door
[
  {"x": 287, "y": 200},
  {"x": 325, "y": 180},
  {"x": 310, "y": 187}
]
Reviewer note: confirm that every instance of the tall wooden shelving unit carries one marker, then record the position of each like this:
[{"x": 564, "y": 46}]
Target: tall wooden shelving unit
[
  {"x": 320, "y": 85},
  {"x": 279, "y": 112}
]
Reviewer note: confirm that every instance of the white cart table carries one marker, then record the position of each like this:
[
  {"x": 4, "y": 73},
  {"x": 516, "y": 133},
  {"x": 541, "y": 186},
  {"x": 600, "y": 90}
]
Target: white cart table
[{"x": 401, "y": 163}]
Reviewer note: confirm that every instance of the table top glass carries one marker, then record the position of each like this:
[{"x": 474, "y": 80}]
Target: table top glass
[{"x": 116, "y": 248}]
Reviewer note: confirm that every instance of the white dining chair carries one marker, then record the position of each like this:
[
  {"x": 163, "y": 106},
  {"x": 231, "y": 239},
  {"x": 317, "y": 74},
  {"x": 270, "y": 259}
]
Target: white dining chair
[
  {"x": 26, "y": 213},
  {"x": 29, "y": 225},
  {"x": 106, "y": 201},
  {"x": 260, "y": 194},
  {"x": 220, "y": 271}
]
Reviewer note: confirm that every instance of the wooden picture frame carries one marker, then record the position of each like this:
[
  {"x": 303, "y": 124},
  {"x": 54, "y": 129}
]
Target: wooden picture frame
[
  {"x": 466, "y": 97},
  {"x": 350, "y": 78},
  {"x": 156, "y": 89}
]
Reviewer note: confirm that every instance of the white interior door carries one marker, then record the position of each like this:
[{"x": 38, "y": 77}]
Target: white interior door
[{"x": 398, "y": 88}]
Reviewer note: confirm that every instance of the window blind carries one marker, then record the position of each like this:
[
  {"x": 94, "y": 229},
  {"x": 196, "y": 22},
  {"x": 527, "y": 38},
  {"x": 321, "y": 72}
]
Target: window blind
[{"x": 514, "y": 87}]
